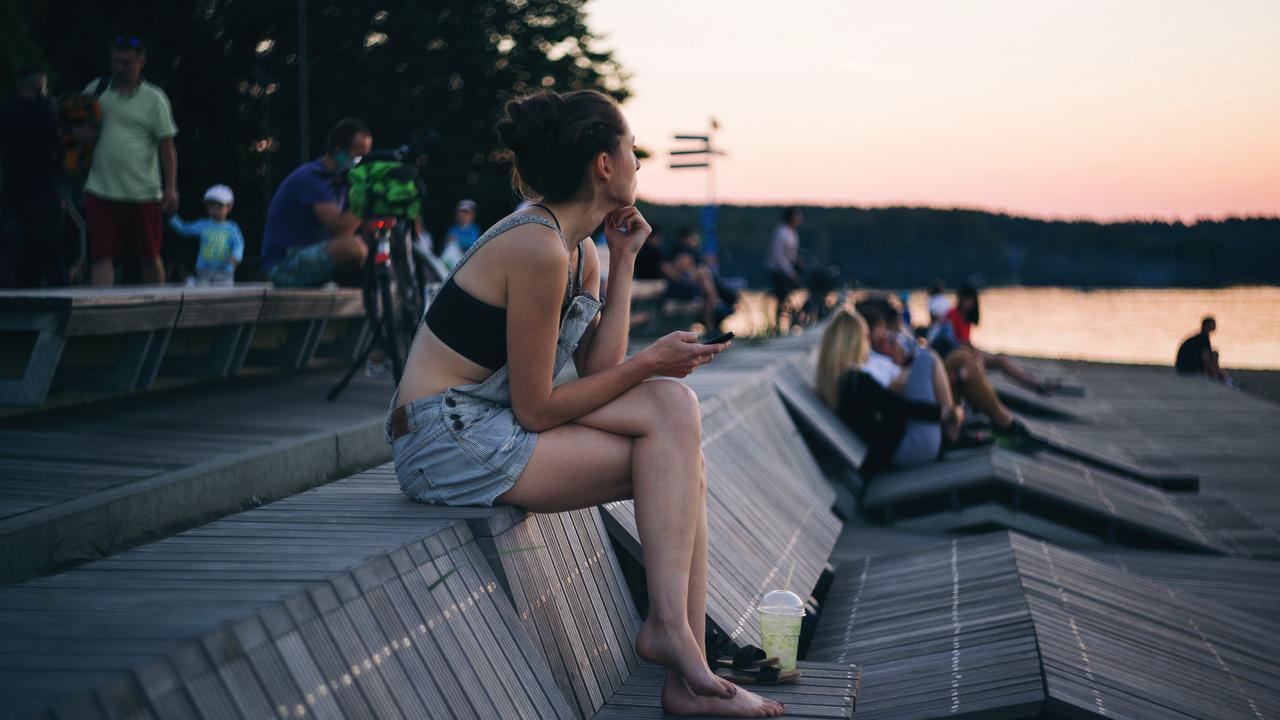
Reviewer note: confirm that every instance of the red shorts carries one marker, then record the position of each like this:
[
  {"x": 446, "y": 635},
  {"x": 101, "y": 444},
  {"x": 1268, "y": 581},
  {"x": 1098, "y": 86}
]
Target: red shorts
[{"x": 115, "y": 222}]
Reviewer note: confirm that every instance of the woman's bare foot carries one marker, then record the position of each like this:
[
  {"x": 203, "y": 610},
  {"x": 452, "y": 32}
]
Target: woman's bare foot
[
  {"x": 675, "y": 649},
  {"x": 678, "y": 699}
]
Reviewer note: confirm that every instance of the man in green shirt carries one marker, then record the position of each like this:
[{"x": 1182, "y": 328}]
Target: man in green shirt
[{"x": 124, "y": 198}]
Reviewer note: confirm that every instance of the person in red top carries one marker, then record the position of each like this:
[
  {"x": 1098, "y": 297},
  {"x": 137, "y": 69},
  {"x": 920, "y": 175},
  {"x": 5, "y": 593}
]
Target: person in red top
[{"x": 964, "y": 316}]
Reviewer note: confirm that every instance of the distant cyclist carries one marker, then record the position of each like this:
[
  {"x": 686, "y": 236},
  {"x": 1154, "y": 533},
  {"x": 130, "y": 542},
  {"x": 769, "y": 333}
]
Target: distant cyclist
[{"x": 310, "y": 237}]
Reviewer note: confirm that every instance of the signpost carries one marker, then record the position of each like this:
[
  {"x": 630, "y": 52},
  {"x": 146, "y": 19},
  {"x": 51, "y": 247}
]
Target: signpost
[{"x": 702, "y": 156}]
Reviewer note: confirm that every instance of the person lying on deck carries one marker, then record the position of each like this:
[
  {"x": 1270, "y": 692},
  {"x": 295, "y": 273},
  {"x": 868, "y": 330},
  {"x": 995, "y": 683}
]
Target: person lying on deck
[
  {"x": 477, "y": 419},
  {"x": 900, "y": 414},
  {"x": 959, "y": 322}
]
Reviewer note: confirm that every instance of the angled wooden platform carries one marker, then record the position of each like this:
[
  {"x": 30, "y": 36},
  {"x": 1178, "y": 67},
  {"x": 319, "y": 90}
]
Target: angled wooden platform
[
  {"x": 794, "y": 383},
  {"x": 81, "y": 482},
  {"x": 1040, "y": 493},
  {"x": 342, "y": 602},
  {"x": 1024, "y": 401},
  {"x": 348, "y": 600},
  {"x": 769, "y": 520},
  {"x": 1004, "y": 626}
]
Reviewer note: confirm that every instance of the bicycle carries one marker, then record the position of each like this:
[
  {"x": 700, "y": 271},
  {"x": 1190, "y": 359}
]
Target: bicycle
[{"x": 386, "y": 194}]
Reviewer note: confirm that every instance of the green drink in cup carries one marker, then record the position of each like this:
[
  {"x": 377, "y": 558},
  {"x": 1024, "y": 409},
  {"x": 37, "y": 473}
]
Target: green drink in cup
[{"x": 781, "y": 613}]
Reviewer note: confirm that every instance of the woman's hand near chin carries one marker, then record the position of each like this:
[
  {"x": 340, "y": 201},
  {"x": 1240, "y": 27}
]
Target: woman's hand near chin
[{"x": 625, "y": 229}]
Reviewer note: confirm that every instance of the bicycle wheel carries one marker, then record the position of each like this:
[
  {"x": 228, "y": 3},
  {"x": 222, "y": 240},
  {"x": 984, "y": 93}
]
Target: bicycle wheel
[
  {"x": 391, "y": 327},
  {"x": 408, "y": 285}
]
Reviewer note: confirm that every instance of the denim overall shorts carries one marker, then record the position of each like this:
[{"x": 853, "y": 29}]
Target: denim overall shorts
[{"x": 464, "y": 446}]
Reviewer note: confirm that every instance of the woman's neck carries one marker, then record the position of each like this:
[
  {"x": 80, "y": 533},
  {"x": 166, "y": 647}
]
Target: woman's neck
[{"x": 577, "y": 219}]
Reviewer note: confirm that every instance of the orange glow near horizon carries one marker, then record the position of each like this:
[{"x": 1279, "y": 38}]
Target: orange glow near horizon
[{"x": 1142, "y": 109}]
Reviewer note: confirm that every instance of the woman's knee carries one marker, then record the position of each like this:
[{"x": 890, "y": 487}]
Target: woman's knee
[{"x": 676, "y": 406}]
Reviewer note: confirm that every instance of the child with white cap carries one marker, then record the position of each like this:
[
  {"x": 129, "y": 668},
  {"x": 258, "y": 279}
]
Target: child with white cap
[{"x": 221, "y": 244}]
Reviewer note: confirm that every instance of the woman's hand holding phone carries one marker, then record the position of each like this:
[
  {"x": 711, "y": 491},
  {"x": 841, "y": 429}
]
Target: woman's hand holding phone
[{"x": 679, "y": 353}]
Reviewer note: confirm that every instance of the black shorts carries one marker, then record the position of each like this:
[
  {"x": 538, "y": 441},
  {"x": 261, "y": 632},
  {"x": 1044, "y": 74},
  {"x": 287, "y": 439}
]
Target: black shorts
[{"x": 782, "y": 284}]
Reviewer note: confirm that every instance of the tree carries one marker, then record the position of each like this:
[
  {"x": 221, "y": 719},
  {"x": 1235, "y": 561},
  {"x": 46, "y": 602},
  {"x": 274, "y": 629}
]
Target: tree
[{"x": 230, "y": 68}]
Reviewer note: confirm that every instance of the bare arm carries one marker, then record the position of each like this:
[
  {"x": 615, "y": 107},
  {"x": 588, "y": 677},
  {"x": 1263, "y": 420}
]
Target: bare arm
[
  {"x": 169, "y": 161},
  {"x": 605, "y": 344},
  {"x": 626, "y": 231},
  {"x": 336, "y": 223},
  {"x": 534, "y": 293}
]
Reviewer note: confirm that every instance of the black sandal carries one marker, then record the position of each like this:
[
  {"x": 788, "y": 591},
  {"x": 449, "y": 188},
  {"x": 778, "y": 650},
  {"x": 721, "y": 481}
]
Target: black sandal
[
  {"x": 746, "y": 658},
  {"x": 767, "y": 675}
]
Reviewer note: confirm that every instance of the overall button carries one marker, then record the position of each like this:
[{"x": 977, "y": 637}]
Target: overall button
[
  {"x": 455, "y": 417},
  {"x": 457, "y": 425},
  {"x": 450, "y": 402}
]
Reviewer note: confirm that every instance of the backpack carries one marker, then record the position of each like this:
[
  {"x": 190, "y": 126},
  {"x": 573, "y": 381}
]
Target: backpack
[
  {"x": 384, "y": 188},
  {"x": 74, "y": 110}
]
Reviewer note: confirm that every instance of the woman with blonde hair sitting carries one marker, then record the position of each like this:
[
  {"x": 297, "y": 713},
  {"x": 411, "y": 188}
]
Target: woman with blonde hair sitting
[{"x": 899, "y": 429}]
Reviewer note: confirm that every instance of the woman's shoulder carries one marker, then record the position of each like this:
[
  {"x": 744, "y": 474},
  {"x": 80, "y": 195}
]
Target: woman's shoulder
[{"x": 525, "y": 235}]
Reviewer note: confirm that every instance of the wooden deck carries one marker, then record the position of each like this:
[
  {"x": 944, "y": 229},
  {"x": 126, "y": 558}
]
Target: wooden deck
[
  {"x": 1006, "y": 626},
  {"x": 344, "y": 600},
  {"x": 350, "y": 601},
  {"x": 82, "y": 482}
]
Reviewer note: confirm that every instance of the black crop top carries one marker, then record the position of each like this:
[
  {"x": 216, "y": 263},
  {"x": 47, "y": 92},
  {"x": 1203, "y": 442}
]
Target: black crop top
[{"x": 477, "y": 330}]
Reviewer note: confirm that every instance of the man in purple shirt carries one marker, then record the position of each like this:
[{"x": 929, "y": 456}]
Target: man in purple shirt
[{"x": 310, "y": 236}]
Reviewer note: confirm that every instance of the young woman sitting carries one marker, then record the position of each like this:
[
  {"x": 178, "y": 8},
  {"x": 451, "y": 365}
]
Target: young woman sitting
[
  {"x": 902, "y": 416},
  {"x": 478, "y": 420}
]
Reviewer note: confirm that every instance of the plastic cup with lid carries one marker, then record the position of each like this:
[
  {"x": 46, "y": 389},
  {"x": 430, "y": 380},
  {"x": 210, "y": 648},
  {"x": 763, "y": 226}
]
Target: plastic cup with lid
[{"x": 781, "y": 613}]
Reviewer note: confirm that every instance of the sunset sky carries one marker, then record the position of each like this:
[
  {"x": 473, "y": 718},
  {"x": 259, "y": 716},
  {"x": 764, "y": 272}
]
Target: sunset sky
[{"x": 1151, "y": 108}]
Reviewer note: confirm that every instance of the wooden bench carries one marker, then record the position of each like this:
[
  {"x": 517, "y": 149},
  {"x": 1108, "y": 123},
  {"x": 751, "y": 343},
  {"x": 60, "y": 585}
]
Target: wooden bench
[
  {"x": 769, "y": 522},
  {"x": 120, "y": 339},
  {"x": 299, "y": 324},
  {"x": 1039, "y": 493},
  {"x": 794, "y": 383},
  {"x": 1005, "y": 626},
  {"x": 347, "y": 600}
]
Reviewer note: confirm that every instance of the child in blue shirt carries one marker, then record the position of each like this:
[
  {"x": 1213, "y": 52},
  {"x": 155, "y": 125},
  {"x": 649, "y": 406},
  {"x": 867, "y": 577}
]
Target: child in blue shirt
[
  {"x": 221, "y": 244},
  {"x": 464, "y": 230}
]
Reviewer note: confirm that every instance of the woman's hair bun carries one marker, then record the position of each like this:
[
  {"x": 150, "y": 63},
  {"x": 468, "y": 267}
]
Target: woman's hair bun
[
  {"x": 530, "y": 123},
  {"x": 553, "y": 138}
]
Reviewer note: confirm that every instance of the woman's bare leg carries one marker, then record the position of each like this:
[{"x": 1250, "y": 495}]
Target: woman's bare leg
[
  {"x": 579, "y": 466},
  {"x": 942, "y": 391},
  {"x": 1012, "y": 368},
  {"x": 596, "y": 460},
  {"x": 973, "y": 386}
]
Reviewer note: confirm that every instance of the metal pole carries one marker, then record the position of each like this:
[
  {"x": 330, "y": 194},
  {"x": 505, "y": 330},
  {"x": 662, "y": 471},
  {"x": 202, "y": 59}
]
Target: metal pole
[{"x": 304, "y": 128}]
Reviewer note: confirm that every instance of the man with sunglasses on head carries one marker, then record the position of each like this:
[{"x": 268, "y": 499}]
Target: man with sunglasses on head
[{"x": 124, "y": 199}]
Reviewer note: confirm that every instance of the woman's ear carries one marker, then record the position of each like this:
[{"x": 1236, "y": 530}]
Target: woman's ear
[{"x": 604, "y": 166}]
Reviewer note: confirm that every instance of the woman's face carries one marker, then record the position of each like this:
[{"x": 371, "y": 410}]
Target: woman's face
[
  {"x": 876, "y": 334},
  {"x": 626, "y": 165}
]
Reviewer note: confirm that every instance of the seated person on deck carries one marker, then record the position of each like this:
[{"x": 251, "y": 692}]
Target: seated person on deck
[
  {"x": 478, "y": 420},
  {"x": 966, "y": 373},
  {"x": 310, "y": 238},
  {"x": 960, "y": 321},
  {"x": 1196, "y": 355},
  {"x": 689, "y": 278},
  {"x": 902, "y": 415}
]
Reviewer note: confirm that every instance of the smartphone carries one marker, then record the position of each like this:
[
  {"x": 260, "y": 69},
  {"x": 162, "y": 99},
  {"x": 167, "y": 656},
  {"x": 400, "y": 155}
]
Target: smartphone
[{"x": 719, "y": 339}]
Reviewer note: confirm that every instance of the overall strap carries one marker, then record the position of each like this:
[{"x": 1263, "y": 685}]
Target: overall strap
[
  {"x": 493, "y": 232},
  {"x": 577, "y": 277}
]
